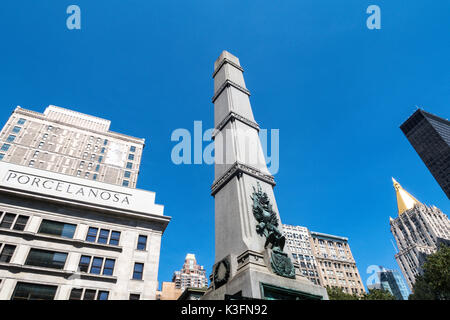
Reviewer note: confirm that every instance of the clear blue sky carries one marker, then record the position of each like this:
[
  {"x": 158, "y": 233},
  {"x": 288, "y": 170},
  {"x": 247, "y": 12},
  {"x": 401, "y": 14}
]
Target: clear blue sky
[{"x": 336, "y": 90}]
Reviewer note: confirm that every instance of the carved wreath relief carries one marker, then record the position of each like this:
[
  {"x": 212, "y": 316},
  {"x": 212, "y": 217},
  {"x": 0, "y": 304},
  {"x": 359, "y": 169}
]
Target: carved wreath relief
[
  {"x": 268, "y": 227},
  {"x": 221, "y": 272}
]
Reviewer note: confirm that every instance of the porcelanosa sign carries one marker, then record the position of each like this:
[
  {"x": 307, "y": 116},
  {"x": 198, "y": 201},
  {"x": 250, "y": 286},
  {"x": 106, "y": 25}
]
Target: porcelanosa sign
[{"x": 66, "y": 189}]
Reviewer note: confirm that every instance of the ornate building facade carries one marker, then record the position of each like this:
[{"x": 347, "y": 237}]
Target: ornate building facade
[
  {"x": 71, "y": 143},
  {"x": 336, "y": 265},
  {"x": 417, "y": 230},
  {"x": 324, "y": 259}
]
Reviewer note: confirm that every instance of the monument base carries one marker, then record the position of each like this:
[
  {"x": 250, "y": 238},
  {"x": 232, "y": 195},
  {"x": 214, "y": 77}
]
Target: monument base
[{"x": 256, "y": 281}]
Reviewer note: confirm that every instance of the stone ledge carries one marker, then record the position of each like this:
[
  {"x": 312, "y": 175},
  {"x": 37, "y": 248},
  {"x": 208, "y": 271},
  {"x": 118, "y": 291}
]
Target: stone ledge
[
  {"x": 226, "y": 84},
  {"x": 226, "y": 60},
  {"x": 239, "y": 168},
  {"x": 231, "y": 117}
]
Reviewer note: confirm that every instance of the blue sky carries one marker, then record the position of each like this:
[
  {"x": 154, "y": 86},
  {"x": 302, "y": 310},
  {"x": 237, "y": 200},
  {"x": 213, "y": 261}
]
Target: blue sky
[{"x": 336, "y": 90}]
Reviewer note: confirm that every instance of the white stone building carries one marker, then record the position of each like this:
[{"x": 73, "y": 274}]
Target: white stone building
[
  {"x": 64, "y": 236},
  {"x": 417, "y": 231},
  {"x": 298, "y": 241}
]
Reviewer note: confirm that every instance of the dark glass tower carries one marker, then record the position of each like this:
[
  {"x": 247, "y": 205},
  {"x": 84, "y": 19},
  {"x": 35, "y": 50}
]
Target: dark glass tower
[{"x": 430, "y": 137}]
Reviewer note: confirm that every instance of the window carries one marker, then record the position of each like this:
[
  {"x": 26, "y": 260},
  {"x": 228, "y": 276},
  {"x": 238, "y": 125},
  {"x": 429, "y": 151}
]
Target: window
[
  {"x": 89, "y": 294},
  {"x": 2, "y": 155},
  {"x": 86, "y": 175},
  {"x": 21, "y": 223},
  {"x": 94, "y": 177},
  {"x": 36, "y": 153},
  {"x": 102, "y": 295},
  {"x": 32, "y": 291},
  {"x": 127, "y": 174},
  {"x": 45, "y": 136},
  {"x": 129, "y": 165},
  {"x": 115, "y": 237},
  {"x": 5, "y": 147},
  {"x": 142, "y": 242},
  {"x": 21, "y": 121},
  {"x": 11, "y": 138},
  {"x": 135, "y": 296},
  {"x": 103, "y": 237},
  {"x": 131, "y": 156},
  {"x": 47, "y": 259},
  {"x": 132, "y": 149},
  {"x": 92, "y": 234},
  {"x": 31, "y": 163},
  {"x": 105, "y": 142},
  {"x": 96, "y": 267},
  {"x": 138, "y": 270},
  {"x": 41, "y": 144},
  {"x": 100, "y": 158},
  {"x": 125, "y": 183},
  {"x": 76, "y": 294},
  {"x": 103, "y": 150},
  {"x": 7, "y": 221},
  {"x": 97, "y": 168},
  {"x": 7, "y": 253},
  {"x": 16, "y": 129},
  {"x": 109, "y": 267},
  {"x": 83, "y": 266},
  {"x": 56, "y": 228}
]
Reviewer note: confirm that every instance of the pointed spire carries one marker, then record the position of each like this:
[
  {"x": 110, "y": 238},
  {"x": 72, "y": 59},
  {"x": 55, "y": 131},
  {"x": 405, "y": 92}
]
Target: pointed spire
[{"x": 405, "y": 201}]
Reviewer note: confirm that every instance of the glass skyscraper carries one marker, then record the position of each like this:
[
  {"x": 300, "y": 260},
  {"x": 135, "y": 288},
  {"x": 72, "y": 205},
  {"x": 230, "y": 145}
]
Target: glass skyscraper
[
  {"x": 392, "y": 281},
  {"x": 430, "y": 137}
]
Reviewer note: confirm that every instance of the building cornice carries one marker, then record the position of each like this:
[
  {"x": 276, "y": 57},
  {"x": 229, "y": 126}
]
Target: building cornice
[
  {"x": 224, "y": 61},
  {"x": 231, "y": 117},
  {"x": 227, "y": 84},
  {"x": 112, "y": 134},
  {"x": 238, "y": 169}
]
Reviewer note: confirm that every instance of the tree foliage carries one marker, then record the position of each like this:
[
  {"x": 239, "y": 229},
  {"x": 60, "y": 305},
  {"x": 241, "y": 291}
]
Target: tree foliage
[
  {"x": 378, "y": 294},
  {"x": 335, "y": 293},
  {"x": 373, "y": 294},
  {"x": 434, "y": 283}
]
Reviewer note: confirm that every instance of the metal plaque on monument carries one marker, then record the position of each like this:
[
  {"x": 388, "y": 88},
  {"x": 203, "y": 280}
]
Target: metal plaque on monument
[{"x": 251, "y": 259}]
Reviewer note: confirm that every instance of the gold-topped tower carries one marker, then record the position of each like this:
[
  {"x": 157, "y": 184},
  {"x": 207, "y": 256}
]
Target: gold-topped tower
[{"x": 405, "y": 200}]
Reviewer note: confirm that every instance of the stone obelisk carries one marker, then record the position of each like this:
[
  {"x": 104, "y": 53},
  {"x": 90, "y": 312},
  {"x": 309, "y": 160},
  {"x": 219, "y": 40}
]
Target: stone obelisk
[{"x": 251, "y": 260}]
